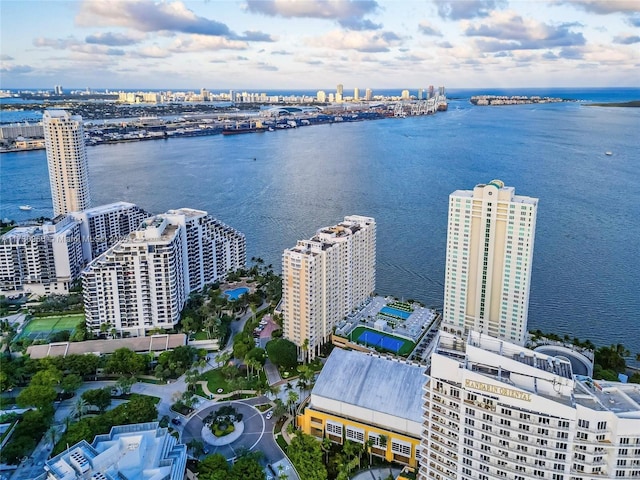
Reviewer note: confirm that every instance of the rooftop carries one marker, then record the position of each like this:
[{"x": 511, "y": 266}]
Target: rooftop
[
  {"x": 375, "y": 383},
  {"x": 129, "y": 452},
  {"x": 152, "y": 343},
  {"x": 110, "y": 207},
  {"x": 623, "y": 399}
]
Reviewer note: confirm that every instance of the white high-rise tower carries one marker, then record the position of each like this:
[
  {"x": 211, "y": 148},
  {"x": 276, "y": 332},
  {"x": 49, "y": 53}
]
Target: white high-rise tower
[
  {"x": 67, "y": 161},
  {"x": 488, "y": 267}
]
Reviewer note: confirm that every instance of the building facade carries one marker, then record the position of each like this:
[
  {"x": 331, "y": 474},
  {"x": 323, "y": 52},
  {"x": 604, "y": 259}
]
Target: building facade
[
  {"x": 325, "y": 278},
  {"x": 67, "y": 161},
  {"x": 370, "y": 400},
  {"x": 103, "y": 226},
  {"x": 143, "y": 281},
  {"x": 493, "y": 409},
  {"x": 134, "y": 452},
  {"x": 490, "y": 237},
  {"x": 214, "y": 248},
  {"x": 44, "y": 259}
]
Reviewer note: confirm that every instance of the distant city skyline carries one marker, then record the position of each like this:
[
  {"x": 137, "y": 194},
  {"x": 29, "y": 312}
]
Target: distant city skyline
[{"x": 286, "y": 44}]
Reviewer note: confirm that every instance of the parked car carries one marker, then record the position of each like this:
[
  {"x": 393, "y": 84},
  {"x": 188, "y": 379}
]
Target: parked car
[
  {"x": 269, "y": 414},
  {"x": 176, "y": 421}
]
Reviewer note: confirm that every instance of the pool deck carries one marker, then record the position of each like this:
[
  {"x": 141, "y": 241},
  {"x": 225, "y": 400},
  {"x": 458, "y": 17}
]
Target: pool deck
[{"x": 412, "y": 328}]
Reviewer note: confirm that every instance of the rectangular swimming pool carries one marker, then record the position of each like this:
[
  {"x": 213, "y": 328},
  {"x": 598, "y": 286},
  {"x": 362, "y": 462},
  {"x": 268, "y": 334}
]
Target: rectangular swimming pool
[{"x": 394, "y": 312}]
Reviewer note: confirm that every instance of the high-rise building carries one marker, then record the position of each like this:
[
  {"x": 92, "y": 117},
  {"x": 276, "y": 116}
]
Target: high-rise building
[
  {"x": 325, "y": 278},
  {"x": 214, "y": 249},
  {"x": 321, "y": 96},
  {"x": 356, "y": 94},
  {"x": 494, "y": 409},
  {"x": 368, "y": 94},
  {"x": 44, "y": 259},
  {"x": 490, "y": 238},
  {"x": 340, "y": 89},
  {"x": 57, "y": 90},
  {"x": 405, "y": 95},
  {"x": 67, "y": 161},
  {"x": 143, "y": 281},
  {"x": 103, "y": 226}
]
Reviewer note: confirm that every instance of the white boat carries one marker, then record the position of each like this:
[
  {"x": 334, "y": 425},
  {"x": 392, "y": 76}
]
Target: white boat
[
  {"x": 26, "y": 207},
  {"x": 608, "y": 154}
]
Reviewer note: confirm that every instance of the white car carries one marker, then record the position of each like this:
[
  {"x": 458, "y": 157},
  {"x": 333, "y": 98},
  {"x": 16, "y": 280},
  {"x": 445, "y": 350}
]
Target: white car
[{"x": 269, "y": 414}]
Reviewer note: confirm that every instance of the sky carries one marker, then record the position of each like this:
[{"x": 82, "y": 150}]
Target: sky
[{"x": 317, "y": 44}]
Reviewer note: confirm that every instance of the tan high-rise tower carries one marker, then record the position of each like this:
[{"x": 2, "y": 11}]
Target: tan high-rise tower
[
  {"x": 67, "y": 161},
  {"x": 325, "y": 278},
  {"x": 488, "y": 267}
]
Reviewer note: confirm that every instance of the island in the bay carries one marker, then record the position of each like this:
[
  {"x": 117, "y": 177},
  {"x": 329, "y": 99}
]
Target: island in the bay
[{"x": 486, "y": 100}]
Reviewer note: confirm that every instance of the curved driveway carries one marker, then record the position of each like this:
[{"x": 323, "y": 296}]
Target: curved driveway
[{"x": 257, "y": 435}]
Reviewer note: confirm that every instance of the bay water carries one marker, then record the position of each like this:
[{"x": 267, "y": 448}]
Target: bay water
[{"x": 279, "y": 187}]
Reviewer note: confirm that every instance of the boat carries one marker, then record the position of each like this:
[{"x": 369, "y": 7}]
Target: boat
[
  {"x": 26, "y": 207},
  {"x": 243, "y": 127},
  {"x": 238, "y": 130},
  {"x": 608, "y": 154}
]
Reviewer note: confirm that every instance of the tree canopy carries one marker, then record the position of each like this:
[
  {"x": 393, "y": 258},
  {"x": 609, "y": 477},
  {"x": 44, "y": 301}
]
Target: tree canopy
[
  {"x": 126, "y": 362},
  {"x": 306, "y": 454},
  {"x": 282, "y": 353}
]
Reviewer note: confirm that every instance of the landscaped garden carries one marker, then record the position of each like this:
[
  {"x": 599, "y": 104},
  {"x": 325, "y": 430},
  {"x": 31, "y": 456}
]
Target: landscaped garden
[{"x": 222, "y": 421}]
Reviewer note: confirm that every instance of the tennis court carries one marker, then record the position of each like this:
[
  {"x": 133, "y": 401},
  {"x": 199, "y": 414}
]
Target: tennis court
[
  {"x": 382, "y": 341},
  {"x": 41, "y": 328}
]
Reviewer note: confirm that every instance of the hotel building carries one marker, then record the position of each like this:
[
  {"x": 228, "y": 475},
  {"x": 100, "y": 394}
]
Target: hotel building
[
  {"x": 367, "y": 398},
  {"x": 43, "y": 259},
  {"x": 143, "y": 281},
  {"x": 133, "y": 452},
  {"x": 325, "y": 278},
  {"x": 490, "y": 238},
  {"x": 493, "y": 409},
  {"x": 67, "y": 161},
  {"x": 101, "y": 227}
]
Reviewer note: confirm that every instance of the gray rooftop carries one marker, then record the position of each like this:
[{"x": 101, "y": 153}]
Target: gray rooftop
[
  {"x": 372, "y": 382},
  {"x": 151, "y": 343}
]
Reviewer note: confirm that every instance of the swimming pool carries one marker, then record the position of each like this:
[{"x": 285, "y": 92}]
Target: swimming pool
[
  {"x": 236, "y": 292},
  {"x": 394, "y": 312}
]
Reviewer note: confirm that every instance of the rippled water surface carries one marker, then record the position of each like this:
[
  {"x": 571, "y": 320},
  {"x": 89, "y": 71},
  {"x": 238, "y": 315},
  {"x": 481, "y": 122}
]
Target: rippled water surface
[{"x": 278, "y": 187}]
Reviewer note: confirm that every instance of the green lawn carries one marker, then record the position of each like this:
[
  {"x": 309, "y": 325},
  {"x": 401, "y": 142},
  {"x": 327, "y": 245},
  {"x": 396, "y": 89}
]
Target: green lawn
[
  {"x": 405, "y": 349},
  {"x": 201, "y": 336},
  {"x": 215, "y": 380}
]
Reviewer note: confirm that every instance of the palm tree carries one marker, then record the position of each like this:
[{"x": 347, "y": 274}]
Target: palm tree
[
  {"x": 191, "y": 377},
  {"x": 292, "y": 398},
  {"x": 281, "y": 474},
  {"x": 326, "y": 447},
  {"x": 52, "y": 435},
  {"x": 368, "y": 445},
  {"x": 273, "y": 390},
  {"x": 383, "y": 443},
  {"x": 305, "y": 350},
  {"x": 80, "y": 407}
]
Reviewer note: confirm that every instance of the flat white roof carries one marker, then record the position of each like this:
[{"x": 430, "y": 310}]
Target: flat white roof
[{"x": 375, "y": 383}]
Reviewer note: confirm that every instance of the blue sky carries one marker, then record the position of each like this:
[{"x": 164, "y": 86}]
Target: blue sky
[{"x": 309, "y": 44}]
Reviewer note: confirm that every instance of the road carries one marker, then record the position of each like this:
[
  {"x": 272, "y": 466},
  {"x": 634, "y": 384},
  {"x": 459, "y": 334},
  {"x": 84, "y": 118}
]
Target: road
[
  {"x": 258, "y": 433},
  {"x": 34, "y": 464}
]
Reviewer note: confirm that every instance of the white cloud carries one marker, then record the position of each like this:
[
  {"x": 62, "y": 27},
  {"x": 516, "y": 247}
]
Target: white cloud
[
  {"x": 203, "y": 43},
  {"x": 362, "y": 41}
]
